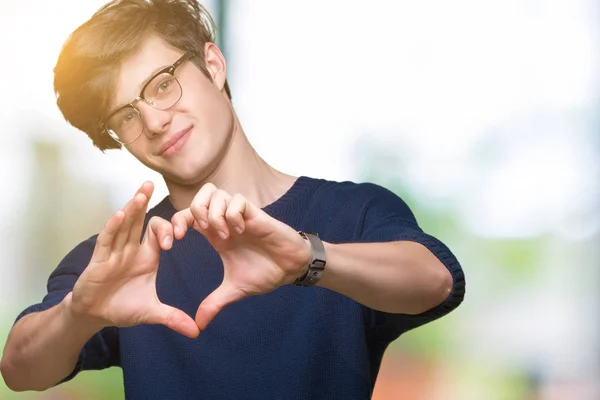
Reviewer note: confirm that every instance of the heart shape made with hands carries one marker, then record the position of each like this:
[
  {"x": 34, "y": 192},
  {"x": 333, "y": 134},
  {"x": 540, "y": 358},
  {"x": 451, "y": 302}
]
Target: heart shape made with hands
[
  {"x": 118, "y": 287},
  {"x": 259, "y": 252}
]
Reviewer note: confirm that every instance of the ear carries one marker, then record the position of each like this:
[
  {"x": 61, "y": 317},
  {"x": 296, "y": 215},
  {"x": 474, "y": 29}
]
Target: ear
[{"x": 215, "y": 64}]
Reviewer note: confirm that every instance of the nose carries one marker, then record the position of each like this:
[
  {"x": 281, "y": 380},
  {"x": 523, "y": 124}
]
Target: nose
[{"x": 156, "y": 121}]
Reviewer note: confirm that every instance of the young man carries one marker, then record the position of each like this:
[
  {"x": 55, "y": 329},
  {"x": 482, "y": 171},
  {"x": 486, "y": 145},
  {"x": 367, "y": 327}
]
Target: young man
[{"x": 297, "y": 285}]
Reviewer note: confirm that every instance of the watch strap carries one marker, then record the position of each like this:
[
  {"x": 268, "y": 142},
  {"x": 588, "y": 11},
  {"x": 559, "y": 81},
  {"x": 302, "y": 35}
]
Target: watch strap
[{"x": 317, "y": 263}]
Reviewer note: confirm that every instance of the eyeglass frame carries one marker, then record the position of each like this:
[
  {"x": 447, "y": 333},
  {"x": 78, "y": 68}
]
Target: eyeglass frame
[{"x": 170, "y": 69}]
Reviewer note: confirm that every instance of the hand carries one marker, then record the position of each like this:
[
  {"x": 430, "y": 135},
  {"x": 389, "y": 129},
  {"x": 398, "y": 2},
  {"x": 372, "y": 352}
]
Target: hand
[
  {"x": 118, "y": 287},
  {"x": 259, "y": 253}
]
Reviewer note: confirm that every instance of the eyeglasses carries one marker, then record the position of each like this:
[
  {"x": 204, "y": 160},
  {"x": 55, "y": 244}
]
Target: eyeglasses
[{"x": 162, "y": 91}]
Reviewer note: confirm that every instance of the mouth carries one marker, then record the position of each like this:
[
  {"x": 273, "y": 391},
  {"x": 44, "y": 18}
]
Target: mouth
[{"x": 175, "y": 143}]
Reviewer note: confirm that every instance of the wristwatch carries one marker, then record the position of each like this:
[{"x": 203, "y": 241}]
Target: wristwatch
[{"x": 316, "y": 266}]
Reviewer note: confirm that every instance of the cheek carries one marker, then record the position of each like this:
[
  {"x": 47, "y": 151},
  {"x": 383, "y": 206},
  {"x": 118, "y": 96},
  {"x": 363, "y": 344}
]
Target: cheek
[
  {"x": 140, "y": 151},
  {"x": 210, "y": 109}
]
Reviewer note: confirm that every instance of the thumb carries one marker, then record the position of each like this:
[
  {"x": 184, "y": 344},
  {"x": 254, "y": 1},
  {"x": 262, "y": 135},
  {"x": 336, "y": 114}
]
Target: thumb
[
  {"x": 214, "y": 303},
  {"x": 158, "y": 235},
  {"x": 173, "y": 318}
]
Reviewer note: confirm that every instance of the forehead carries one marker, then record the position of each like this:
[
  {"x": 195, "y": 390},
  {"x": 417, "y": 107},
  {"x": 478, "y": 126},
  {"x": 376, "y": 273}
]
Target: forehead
[{"x": 153, "y": 55}]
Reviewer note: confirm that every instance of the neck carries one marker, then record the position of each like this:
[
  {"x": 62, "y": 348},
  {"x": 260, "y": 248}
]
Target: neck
[{"x": 242, "y": 171}]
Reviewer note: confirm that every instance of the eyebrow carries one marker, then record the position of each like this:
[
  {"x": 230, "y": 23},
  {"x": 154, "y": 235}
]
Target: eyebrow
[
  {"x": 152, "y": 75},
  {"x": 140, "y": 87}
]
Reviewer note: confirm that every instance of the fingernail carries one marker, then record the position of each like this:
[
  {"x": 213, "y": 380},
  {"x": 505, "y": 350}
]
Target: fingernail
[
  {"x": 177, "y": 231},
  {"x": 167, "y": 241},
  {"x": 203, "y": 224},
  {"x": 239, "y": 229},
  {"x": 223, "y": 235}
]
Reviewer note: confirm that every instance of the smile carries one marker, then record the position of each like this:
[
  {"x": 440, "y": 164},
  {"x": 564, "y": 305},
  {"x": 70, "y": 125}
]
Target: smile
[{"x": 176, "y": 143}]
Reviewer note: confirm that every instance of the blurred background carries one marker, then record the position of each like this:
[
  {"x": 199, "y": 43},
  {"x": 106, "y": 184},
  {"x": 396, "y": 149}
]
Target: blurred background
[{"x": 483, "y": 116}]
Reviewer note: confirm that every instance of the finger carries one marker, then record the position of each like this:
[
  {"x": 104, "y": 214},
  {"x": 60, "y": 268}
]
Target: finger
[
  {"x": 234, "y": 215},
  {"x": 131, "y": 209},
  {"x": 105, "y": 239},
  {"x": 137, "y": 227},
  {"x": 174, "y": 319},
  {"x": 214, "y": 303},
  {"x": 216, "y": 213},
  {"x": 134, "y": 207},
  {"x": 182, "y": 221},
  {"x": 251, "y": 211},
  {"x": 199, "y": 206},
  {"x": 159, "y": 235}
]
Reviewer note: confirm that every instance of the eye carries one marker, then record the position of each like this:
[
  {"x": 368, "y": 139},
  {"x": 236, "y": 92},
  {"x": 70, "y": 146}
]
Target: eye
[
  {"x": 165, "y": 86},
  {"x": 128, "y": 117}
]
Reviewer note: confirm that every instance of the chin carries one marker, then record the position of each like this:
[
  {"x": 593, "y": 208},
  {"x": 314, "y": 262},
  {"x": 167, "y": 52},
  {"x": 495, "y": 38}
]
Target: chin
[
  {"x": 191, "y": 167},
  {"x": 185, "y": 179},
  {"x": 192, "y": 175}
]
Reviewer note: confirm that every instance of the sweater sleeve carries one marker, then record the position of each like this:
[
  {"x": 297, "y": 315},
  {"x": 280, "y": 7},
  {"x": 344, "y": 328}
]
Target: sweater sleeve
[
  {"x": 102, "y": 350},
  {"x": 386, "y": 217}
]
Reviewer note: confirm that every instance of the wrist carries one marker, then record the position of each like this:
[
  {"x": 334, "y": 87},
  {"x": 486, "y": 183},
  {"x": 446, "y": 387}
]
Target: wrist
[
  {"x": 79, "y": 322},
  {"x": 306, "y": 263}
]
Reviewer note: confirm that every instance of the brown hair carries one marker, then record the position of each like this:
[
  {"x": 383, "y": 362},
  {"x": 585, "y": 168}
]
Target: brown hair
[{"x": 85, "y": 73}]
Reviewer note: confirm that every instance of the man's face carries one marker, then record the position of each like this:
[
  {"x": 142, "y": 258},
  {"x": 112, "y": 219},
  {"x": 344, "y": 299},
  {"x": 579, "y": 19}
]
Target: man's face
[{"x": 187, "y": 141}]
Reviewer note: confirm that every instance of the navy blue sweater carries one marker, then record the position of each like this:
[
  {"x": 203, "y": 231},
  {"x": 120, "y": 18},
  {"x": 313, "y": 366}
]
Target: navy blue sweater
[{"x": 293, "y": 343}]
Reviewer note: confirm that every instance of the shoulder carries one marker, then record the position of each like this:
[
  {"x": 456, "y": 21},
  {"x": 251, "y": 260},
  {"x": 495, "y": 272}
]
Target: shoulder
[
  {"x": 331, "y": 187},
  {"x": 362, "y": 195},
  {"x": 77, "y": 259}
]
